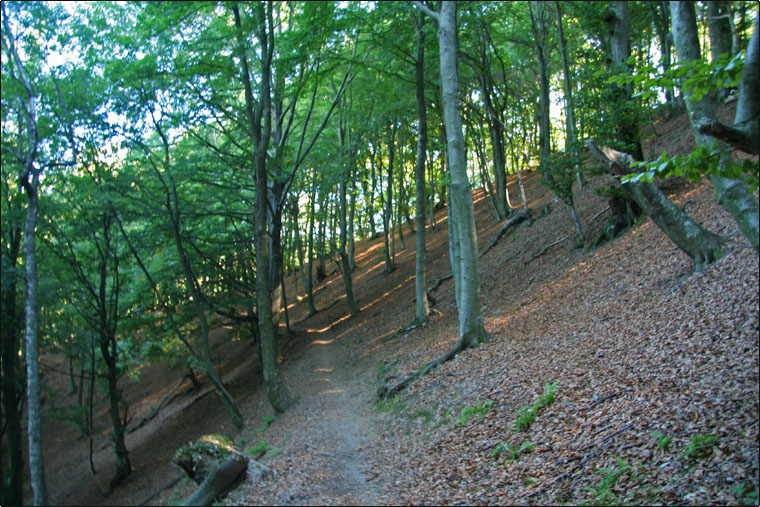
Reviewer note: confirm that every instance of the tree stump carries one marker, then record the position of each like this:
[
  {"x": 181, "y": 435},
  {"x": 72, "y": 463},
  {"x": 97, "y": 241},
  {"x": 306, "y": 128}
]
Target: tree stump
[{"x": 214, "y": 464}]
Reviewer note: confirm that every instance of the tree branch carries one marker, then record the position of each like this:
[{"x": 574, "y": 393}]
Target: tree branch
[{"x": 742, "y": 139}]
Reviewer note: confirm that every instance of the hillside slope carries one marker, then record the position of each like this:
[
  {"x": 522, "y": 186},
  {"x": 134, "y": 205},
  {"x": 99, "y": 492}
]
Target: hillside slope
[{"x": 641, "y": 351}]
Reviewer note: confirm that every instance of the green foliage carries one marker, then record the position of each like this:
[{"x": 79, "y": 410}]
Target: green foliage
[
  {"x": 259, "y": 449},
  {"x": 395, "y": 404},
  {"x": 746, "y": 493},
  {"x": 512, "y": 451},
  {"x": 479, "y": 410},
  {"x": 559, "y": 172},
  {"x": 702, "y": 161},
  {"x": 602, "y": 494},
  {"x": 700, "y": 446},
  {"x": 697, "y": 76},
  {"x": 663, "y": 441},
  {"x": 424, "y": 413},
  {"x": 526, "y": 416}
]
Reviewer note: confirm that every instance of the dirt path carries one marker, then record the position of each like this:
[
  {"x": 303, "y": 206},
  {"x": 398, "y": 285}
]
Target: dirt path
[{"x": 321, "y": 443}]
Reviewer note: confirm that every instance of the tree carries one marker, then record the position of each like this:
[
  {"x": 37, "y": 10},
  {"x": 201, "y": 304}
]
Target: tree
[
  {"x": 259, "y": 119},
  {"x": 462, "y": 235},
  {"x": 420, "y": 290},
  {"x": 26, "y": 153},
  {"x": 732, "y": 192}
]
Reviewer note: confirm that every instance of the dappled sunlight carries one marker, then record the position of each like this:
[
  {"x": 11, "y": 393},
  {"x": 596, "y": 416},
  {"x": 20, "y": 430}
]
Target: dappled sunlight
[
  {"x": 325, "y": 329},
  {"x": 377, "y": 300},
  {"x": 325, "y": 370},
  {"x": 331, "y": 391},
  {"x": 323, "y": 342}
]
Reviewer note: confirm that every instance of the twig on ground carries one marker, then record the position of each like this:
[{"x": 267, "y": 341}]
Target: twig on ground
[
  {"x": 547, "y": 247},
  {"x": 609, "y": 397}
]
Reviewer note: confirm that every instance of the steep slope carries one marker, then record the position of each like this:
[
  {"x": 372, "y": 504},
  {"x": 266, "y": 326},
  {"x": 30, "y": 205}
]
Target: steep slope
[{"x": 640, "y": 349}]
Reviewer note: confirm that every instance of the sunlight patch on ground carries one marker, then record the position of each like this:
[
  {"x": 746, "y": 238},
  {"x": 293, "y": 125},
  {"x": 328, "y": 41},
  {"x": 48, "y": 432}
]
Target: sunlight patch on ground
[
  {"x": 322, "y": 342},
  {"x": 397, "y": 287},
  {"x": 331, "y": 391},
  {"x": 325, "y": 370}
]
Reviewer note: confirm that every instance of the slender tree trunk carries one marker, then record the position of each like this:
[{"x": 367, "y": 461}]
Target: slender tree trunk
[
  {"x": 732, "y": 193},
  {"x": 34, "y": 405},
  {"x": 420, "y": 290},
  {"x": 388, "y": 213},
  {"x": 344, "y": 260},
  {"x": 571, "y": 130},
  {"x": 309, "y": 277},
  {"x": 471, "y": 330},
  {"x": 260, "y": 125},
  {"x": 537, "y": 12}
]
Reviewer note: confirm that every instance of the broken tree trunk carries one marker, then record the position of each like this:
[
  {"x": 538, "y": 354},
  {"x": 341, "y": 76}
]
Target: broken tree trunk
[{"x": 703, "y": 246}]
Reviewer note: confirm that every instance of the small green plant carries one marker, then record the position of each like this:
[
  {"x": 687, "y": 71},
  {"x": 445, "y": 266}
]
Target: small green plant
[
  {"x": 663, "y": 441},
  {"x": 395, "y": 404},
  {"x": 512, "y": 451},
  {"x": 602, "y": 494},
  {"x": 701, "y": 446},
  {"x": 526, "y": 416},
  {"x": 745, "y": 494},
  {"x": 426, "y": 414},
  {"x": 259, "y": 449},
  {"x": 478, "y": 410}
]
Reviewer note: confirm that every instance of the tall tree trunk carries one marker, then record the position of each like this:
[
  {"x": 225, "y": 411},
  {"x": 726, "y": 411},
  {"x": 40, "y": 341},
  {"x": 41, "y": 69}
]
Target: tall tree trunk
[
  {"x": 571, "y": 130},
  {"x": 345, "y": 148},
  {"x": 420, "y": 290},
  {"x": 34, "y": 405},
  {"x": 496, "y": 133},
  {"x": 471, "y": 330},
  {"x": 537, "y": 13},
  {"x": 661, "y": 16},
  {"x": 618, "y": 23},
  {"x": 732, "y": 193},
  {"x": 309, "y": 277},
  {"x": 260, "y": 125},
  {"x": 388, "y": 212}
]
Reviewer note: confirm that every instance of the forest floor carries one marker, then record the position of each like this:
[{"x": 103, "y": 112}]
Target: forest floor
[{"x": 655, "y": 367}]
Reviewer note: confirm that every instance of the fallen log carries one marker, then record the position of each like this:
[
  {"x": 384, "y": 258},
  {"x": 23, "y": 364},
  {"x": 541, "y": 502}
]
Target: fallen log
[{"x": 221, "y": 478}]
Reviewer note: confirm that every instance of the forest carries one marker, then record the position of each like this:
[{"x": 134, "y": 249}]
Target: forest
[{"x": 354, "y": 252}]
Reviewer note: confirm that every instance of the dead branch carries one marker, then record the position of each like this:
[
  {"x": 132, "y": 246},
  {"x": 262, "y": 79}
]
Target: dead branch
[
  {"x": 166, "y": 486},
  {"x": 154, "y": 412},
  {"x": 613, "y": 395},
  {"x": 516, "y": 219},
  {"x": 403, "y": 330},
  {"x": 584, "y": 459},
  {"x": 599, "y": 214},
  {"x": 387, "y": 391},
  {"x": 547, "y": 247}
]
